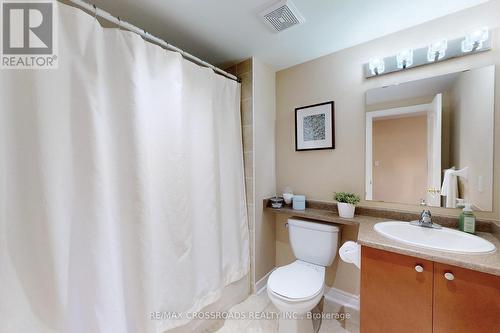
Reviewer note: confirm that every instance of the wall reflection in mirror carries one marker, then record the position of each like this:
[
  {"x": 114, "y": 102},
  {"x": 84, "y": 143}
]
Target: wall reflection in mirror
[{"x": 430, "y": 141}]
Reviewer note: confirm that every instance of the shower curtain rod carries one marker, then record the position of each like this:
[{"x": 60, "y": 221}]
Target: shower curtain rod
[{"x": 144, "y": 34}]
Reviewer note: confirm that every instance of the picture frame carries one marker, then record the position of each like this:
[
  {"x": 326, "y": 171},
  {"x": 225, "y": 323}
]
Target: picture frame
[{"x": 315, "y": 127}]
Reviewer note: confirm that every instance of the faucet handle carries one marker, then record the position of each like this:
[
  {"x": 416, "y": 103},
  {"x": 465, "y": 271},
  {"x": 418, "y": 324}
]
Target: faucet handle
[{"x": 426, "y": 216}]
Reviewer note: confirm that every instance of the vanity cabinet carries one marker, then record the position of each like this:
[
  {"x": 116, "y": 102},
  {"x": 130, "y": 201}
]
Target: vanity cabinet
[
  {"x": 394, "y": 296},
  {"x": 468, "y": 302},
  {"x": 405, "y": 294}
]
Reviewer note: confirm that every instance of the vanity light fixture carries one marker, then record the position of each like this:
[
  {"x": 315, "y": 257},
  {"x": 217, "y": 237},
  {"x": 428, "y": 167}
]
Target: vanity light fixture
[
  {"x": 437, "y": 50},
  {"x": 405, "y": 58},
  {"x": 474, "y": 41},
  {"x": 441, "y": 50},
  {"x": 377, "y": 66}
]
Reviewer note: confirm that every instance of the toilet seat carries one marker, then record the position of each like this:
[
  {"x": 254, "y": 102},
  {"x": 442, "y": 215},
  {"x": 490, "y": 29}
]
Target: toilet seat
[
  {"x": 297, "y": 281},
  {"x": 291, "y": 301}
]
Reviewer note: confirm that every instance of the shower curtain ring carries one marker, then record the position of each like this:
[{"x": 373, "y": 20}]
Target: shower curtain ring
[
  {"x": 95, "y": 11},
  {"x": 119, "y": 23}
]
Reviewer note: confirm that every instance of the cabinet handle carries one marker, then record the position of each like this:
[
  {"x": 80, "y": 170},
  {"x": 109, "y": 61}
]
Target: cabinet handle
[
  {"x": 449, "y": 276},
  {"x": 419, "y": 268}
]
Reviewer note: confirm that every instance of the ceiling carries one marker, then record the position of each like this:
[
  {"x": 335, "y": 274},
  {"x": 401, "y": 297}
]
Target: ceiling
[{"x": 225, "y": 31}]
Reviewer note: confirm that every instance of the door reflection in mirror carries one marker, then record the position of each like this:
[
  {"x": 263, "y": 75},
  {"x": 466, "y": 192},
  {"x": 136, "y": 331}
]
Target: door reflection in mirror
[{"x": 431, "y": 141}]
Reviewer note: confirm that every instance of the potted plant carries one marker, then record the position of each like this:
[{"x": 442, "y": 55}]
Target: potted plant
[{"x": 346, "y": 203}]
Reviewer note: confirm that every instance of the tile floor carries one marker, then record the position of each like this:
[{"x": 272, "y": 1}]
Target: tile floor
[{"x": 261, "y": 305}]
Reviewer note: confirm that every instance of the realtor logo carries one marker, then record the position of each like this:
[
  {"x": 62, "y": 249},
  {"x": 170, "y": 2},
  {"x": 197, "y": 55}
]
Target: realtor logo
[{"x": 28, "y": 34}]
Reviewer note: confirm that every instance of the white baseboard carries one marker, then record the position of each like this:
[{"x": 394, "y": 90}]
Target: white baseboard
[
  {"x": 342, "y": 298},
  {"x": 261, "y": 285},
  {"x": 344, "y": 302}
]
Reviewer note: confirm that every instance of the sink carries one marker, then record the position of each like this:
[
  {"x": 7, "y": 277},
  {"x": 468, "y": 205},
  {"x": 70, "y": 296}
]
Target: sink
[{"x": 443, "y": 239}]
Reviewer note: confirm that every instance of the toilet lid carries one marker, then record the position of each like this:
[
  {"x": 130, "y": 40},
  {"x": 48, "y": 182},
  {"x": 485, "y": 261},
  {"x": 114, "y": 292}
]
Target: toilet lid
[{"x": 297, "y": 280}]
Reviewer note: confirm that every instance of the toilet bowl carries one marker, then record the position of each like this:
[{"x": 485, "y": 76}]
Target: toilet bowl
[{"x": 295, "y": 289}]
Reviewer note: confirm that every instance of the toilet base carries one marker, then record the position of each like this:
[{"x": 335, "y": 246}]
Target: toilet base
[
  {"x": 295, "y": 316},
  {"x": 301, "y": 323}
]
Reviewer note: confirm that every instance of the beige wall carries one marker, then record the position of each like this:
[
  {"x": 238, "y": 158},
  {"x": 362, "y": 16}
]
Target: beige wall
[
  {"x": 339, "y": 77},
  {"x": 400, "y": 159},
  {"x": 472, "y": 129},
  {"x": 264, "y": 120}
]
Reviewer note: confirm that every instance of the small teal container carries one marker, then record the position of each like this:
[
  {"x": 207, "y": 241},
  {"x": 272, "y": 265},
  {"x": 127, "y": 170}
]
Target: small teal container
[{"x": 299, "y": 202}]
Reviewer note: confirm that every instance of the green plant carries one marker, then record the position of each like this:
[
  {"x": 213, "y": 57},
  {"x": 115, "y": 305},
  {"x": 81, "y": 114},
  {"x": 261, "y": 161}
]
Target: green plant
[{"x": 346, "y": 197}]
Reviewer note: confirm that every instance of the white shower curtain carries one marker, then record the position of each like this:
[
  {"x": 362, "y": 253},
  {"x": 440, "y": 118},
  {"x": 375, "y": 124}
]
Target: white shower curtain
[{"x": 121, "y": 186}]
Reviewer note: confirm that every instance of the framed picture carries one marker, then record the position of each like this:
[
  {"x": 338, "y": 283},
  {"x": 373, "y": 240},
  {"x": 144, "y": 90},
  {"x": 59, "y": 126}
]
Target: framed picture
[{"x": 315, "y": 127}]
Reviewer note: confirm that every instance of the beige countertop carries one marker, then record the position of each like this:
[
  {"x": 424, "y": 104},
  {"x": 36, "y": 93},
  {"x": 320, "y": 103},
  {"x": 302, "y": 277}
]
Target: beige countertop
[
  {"x": 487, "y": 263},
  {"x": 367, "y": 236},
  {"x": 315, "y": 214}
]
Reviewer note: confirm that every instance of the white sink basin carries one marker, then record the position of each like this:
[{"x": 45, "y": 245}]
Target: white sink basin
[{"x": 444, "y": 239}]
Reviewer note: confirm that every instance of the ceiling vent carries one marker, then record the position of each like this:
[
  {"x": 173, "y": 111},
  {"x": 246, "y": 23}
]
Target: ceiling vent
[{"x": 282, "y": 15}]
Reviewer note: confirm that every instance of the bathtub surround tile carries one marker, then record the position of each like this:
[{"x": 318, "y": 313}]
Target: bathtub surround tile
[
  {"x": 250, "y": 191},
  {"x": 258, "y": 107},
  {"x": 243, "y": 71},
  {"x": 248, "y": 164},
  {"x": 251, "y": 217},
  {"x": 246, "y": 85},
  {"x": 247, "y": 138},
  {"x": 231, "y": 70},
  {"x": 246, "y": 112},
  {"x": 244, "y": 67}
]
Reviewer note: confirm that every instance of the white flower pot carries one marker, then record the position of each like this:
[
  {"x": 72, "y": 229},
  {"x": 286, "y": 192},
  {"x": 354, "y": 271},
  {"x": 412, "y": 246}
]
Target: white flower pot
[{"x": 346, "y": 210}]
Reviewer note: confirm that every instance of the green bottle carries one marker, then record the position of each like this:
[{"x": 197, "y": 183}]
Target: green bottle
[{"x": 467, "y": 220}]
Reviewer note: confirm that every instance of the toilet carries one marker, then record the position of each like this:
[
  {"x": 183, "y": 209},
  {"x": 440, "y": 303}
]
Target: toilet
[{"x": 295, "y": 289}]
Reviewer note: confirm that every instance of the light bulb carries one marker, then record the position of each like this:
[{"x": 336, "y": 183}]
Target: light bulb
[
  {"x": 437, "y": 50},
  {"x": 474, "y": 40},
  {"x": 405, "y": 58},
  {"x": 376, "y": 65}
]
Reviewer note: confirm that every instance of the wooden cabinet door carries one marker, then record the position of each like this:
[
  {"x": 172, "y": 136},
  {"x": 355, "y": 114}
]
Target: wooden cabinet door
[
  {"x": 470, "y": 302},
  {"x": 394, "y": 296}
]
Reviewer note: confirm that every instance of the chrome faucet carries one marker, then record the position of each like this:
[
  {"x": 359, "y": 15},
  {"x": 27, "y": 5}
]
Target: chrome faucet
[{"x": 425, "y": 220}]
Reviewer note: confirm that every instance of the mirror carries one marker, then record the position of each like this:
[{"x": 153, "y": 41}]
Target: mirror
[{"x": 430, "y": 141}]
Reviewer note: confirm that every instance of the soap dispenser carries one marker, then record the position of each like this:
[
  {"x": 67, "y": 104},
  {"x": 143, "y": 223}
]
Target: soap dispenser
[{"x": 467, "y": 220}]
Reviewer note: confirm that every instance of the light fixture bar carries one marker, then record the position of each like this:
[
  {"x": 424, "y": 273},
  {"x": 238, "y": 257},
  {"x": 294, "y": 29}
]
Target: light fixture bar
[
  {"x": 405, "y": 58},
  {"x": 454, "y": 48}
]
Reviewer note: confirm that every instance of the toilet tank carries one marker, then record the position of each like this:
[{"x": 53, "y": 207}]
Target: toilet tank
[{"x": 313, "y": 242}]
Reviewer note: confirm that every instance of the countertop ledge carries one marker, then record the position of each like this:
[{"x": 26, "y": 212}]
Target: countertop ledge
[
  {"x": 367, "y": 236},
  {"x": 316, "y": 214}
]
